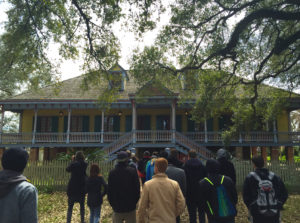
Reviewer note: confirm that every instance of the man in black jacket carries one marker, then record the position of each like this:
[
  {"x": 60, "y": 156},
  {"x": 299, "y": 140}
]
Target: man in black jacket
[
  {"x": 123, "y": 190},
  {"x": 255, "y": 184},
  {"x": 194, "y": 171},
  {"x": 226, "y": 166},
  {"x": 209, "y": 197},
  {"x": 173, "y": 158}
]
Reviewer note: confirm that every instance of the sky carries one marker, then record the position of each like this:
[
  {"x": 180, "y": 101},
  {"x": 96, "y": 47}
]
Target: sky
[{"x": 70, "y": 68}]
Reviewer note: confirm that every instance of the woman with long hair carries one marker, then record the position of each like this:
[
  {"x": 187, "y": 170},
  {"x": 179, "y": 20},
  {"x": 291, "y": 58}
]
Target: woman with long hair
[{"x": 96, "y": 188}]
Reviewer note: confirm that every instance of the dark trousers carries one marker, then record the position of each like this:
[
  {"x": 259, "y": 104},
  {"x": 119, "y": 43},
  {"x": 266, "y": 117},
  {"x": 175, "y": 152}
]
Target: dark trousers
[
  {"x": 193, "y": 207},
  {"x": 71, "y": 202},
  {"x": 178, "y": 219}
]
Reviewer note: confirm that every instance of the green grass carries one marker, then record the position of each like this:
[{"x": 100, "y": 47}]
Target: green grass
[{"x": 53, "y": 209}]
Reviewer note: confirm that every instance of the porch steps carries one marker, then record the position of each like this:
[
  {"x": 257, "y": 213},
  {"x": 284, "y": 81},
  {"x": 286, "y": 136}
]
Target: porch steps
[
  {"x": 189, "y": 144},
  {"x": 182, "y": 143},
  {"x": 115, "y": 146}
]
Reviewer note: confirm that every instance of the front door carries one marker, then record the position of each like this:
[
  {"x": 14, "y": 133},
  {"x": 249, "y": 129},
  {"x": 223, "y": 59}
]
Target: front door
[{"x": 163, "y": 122}]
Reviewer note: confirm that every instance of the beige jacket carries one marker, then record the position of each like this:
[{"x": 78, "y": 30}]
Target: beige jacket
[{"x": 161, "y": 201}]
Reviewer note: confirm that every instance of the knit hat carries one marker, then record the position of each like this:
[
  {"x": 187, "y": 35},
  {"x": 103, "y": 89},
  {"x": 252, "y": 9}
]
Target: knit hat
[
  {"x": 212, "y": 166},
  {"x": 122, "y": 156},
  {"x": 15, "y": 159},
  {"x": 222, "y": 153}
]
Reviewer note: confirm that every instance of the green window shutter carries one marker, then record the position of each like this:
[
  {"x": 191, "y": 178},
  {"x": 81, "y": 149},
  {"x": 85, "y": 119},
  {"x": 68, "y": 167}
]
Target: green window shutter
[
  {"x": 159, "y": 122},
  {"x": 98, "y": 123},
  {"x": 191, "y": 124},
  {"x": 221, "y": 123},
  {"x": 116, "y": 126},
  {"x": 210, "y": 124},
  {"x": 178, "y": 123},
  {"x": 65, "y": 123},
  {"x": 54, "y": 124},
  {"x": 85, "y": 123},
  {"x": 128, "y": 123},
  {"x": 38, "y": 124},
  {"x": 147, "y": 122},
  {"x": 224, "y": 122}
]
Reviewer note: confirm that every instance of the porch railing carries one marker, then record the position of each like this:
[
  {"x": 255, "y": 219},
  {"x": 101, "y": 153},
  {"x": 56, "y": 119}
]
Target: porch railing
[
  {"x": 146, "y": 136},
  {"x": 153, "y": 136}
]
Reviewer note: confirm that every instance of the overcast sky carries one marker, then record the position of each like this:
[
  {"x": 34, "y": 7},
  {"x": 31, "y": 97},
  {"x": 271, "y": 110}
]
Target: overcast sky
[{"x": 128, "y": 43}]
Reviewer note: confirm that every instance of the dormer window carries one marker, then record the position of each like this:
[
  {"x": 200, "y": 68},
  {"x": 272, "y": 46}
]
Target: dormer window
[
  {"x": 117, "y": 80},
  {"x": 189, "y": 81}
]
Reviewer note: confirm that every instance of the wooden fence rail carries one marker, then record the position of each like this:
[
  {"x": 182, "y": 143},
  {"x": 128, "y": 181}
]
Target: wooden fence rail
[{"x": 53, "y": 174}]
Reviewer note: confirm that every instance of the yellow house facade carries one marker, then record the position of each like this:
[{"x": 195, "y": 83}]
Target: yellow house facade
[{"x": 58, "y": 118}]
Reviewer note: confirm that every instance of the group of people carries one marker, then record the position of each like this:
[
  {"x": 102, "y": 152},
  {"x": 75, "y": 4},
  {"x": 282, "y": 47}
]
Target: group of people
[
  {"x": 168, "y": 185},
  {"x": 155, "y": 189}
]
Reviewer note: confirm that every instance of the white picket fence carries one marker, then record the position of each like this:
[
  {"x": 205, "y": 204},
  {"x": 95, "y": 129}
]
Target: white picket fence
[{"x": 53, "y": 174}]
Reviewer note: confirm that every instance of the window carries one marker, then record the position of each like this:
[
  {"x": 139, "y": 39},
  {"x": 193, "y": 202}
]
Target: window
[
  {"x": 46, "y": 124},
  {"x": 112, "y": 123},
  {"x": 117, "y": 81},
  {"x": 78, "y": 123}
]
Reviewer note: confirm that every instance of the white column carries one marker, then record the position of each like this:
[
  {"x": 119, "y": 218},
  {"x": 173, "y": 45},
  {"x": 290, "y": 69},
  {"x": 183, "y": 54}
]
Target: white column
[
  {"x": 133, "y": 120},
  {"x": 102, "y": 126},
  {"x": 69, "y": 124},
  {"x": 275, "y": 131},
  {"x": 173, "y": 120},
  {"x": 34, "y": 124}
]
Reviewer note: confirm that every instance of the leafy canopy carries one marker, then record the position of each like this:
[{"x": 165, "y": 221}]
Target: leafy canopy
[{"x": 230, "y": 48}]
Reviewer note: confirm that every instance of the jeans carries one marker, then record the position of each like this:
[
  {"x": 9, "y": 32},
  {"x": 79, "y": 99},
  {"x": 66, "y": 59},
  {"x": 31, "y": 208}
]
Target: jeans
[
  {"x": 192, "y": 209},
  {"x": 71, "y": 202},
  {"x": 95, "y": 214}
]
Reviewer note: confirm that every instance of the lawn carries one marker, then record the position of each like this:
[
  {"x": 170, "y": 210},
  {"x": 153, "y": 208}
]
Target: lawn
[{"x": 53, "y": 208}]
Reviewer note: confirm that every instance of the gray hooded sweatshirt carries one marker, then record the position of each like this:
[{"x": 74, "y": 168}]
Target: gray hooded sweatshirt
[{"x": 18, "y": 198}]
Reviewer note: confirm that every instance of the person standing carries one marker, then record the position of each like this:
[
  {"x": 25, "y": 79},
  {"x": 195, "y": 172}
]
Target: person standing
[
  {"x": 178, "y": 175},
  {"x": 123, "y": 190},
  {"x": 194, "y": 171},
  {"x": 161, "y": 199},
  {"x": 173, "y": 158},
  {"x": 264, "y": 194},
  {"x": 226, "y": 166},
  {"x": 18, "y": 197},
  {"x": 150, "y": 166},
  {"x": 217, "y": 195},
  {"x": 76, "y": 185},
  {"x": 96, "y": 188},
  {"x": 142, "y": 166}
]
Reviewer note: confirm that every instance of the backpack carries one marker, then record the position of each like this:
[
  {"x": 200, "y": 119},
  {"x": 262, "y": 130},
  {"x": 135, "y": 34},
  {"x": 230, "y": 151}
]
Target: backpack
[
  {"x": 225, "y": 207},
  {"x": 150, "y": 169},
  {"x": 266, "y": 201}
]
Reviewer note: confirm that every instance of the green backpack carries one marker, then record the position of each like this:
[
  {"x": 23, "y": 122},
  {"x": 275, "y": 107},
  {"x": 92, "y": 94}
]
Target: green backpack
[{"x": 225, "y": 207}]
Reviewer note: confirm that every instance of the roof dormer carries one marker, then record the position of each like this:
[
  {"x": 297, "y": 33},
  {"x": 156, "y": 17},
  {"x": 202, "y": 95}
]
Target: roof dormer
[{"x": 118, "y": 77}]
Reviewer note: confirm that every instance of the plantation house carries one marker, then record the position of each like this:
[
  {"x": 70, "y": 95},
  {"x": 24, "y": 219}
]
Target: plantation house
[{"x": 63, "y": 116}]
